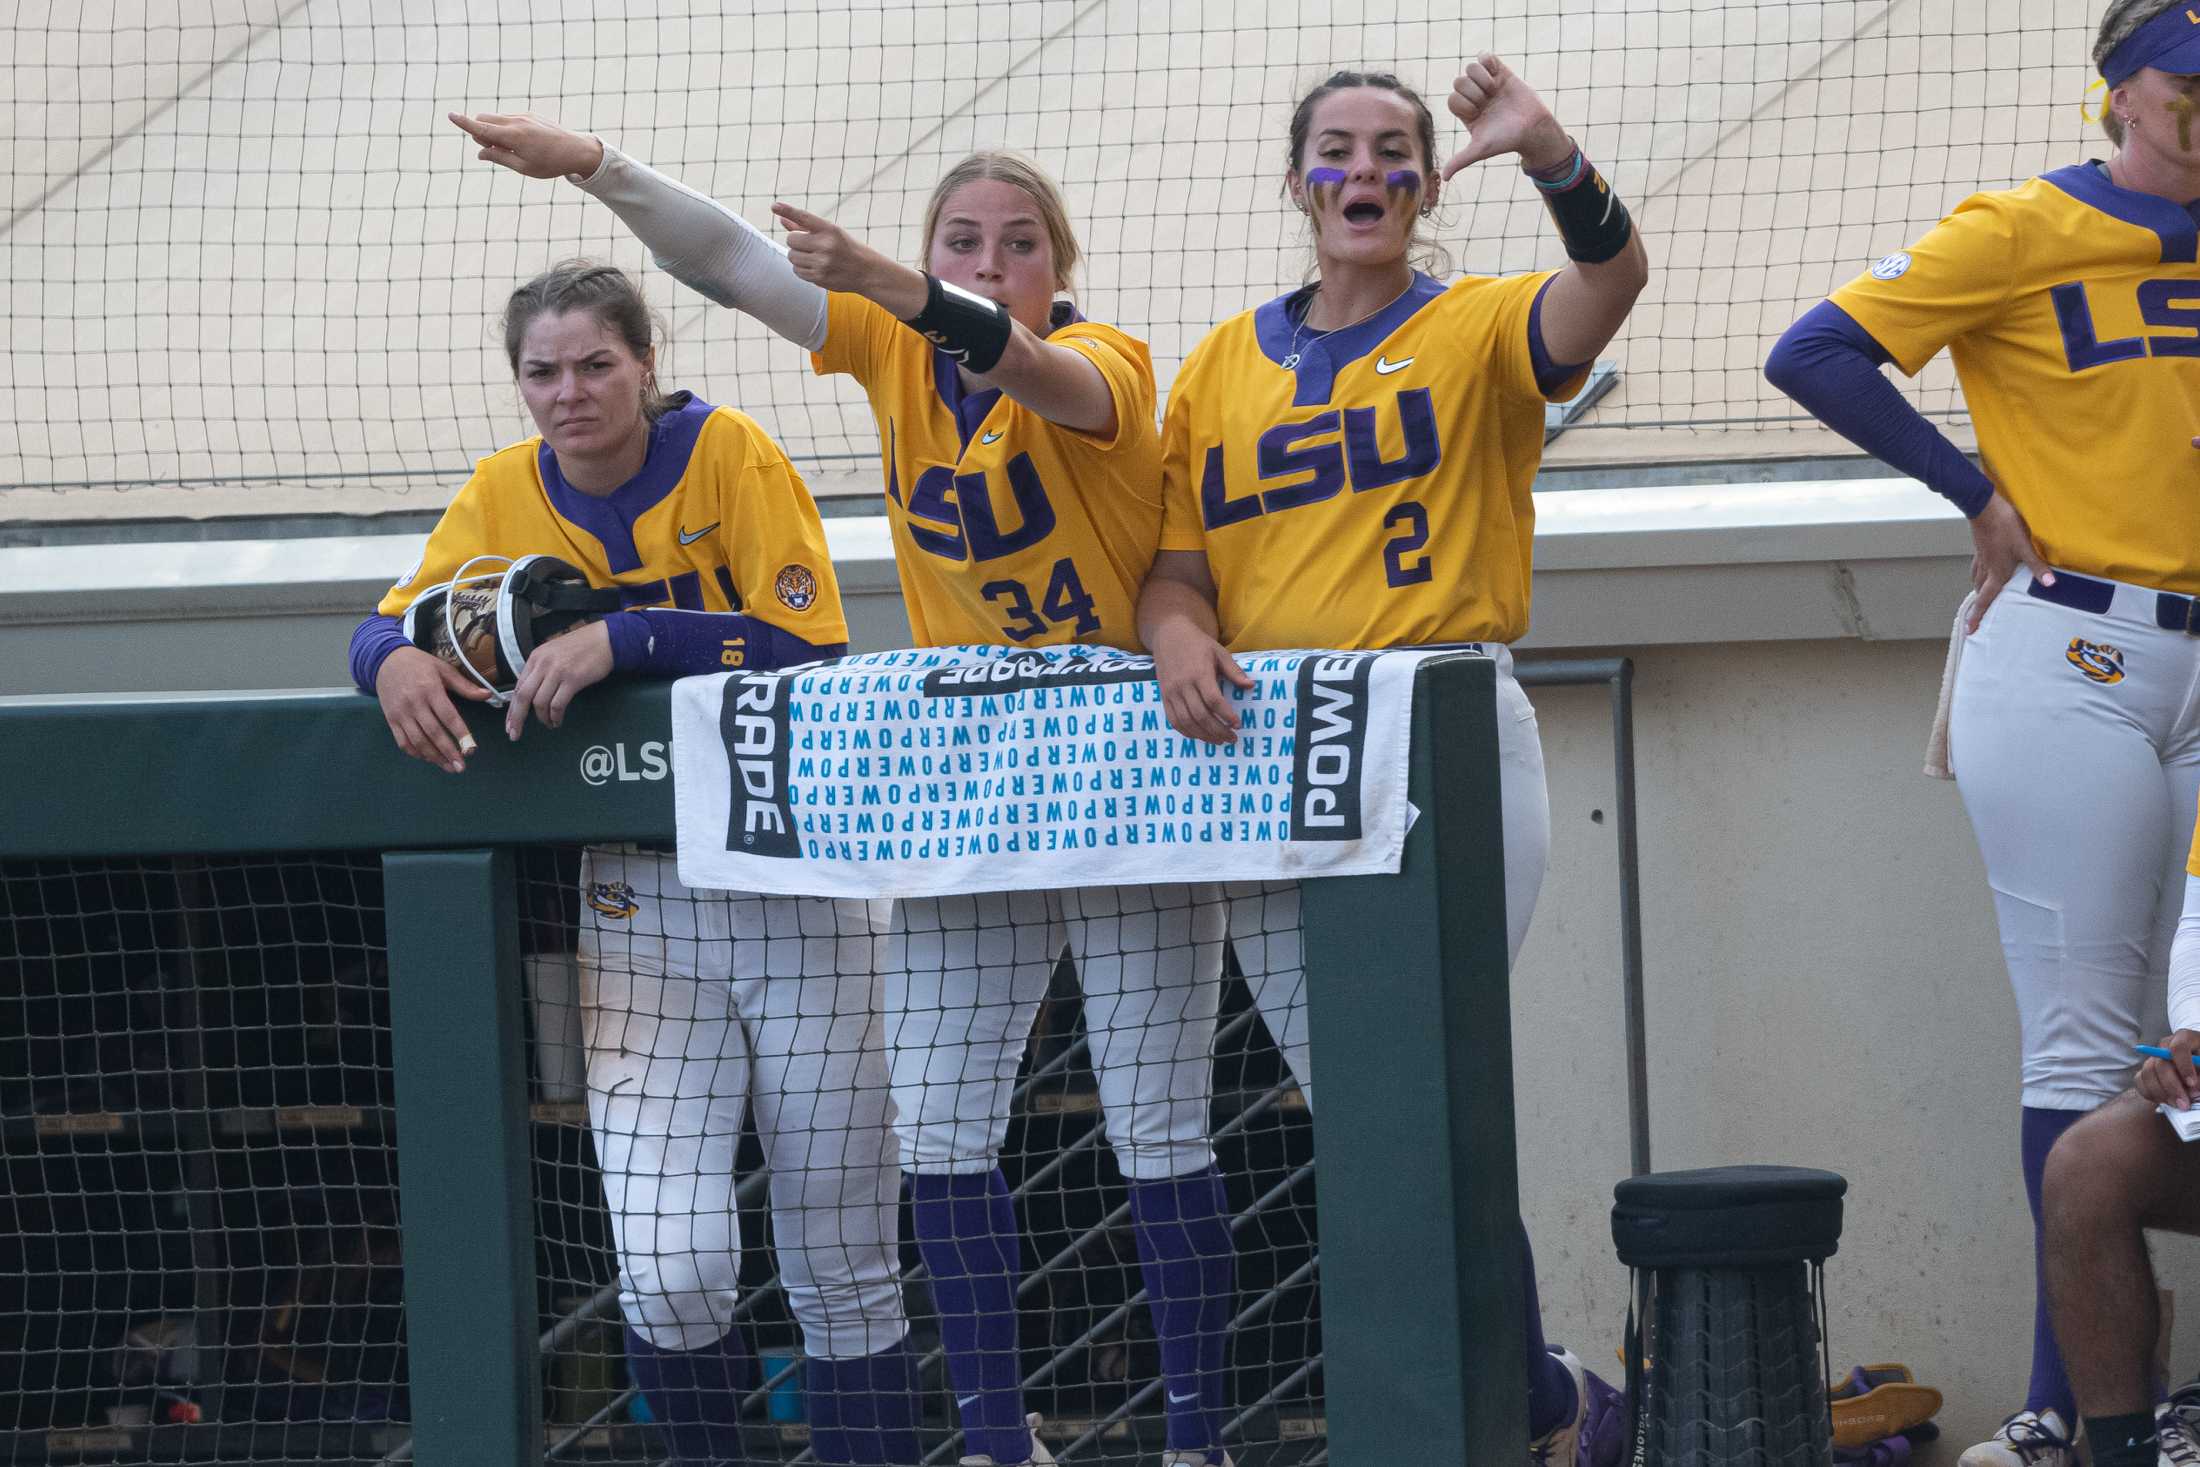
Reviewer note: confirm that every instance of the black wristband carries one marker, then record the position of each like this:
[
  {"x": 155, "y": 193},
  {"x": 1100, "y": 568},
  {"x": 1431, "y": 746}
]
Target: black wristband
[
  {"x": 1591, "y": 220},
  {"x": 968, "y": 327}
]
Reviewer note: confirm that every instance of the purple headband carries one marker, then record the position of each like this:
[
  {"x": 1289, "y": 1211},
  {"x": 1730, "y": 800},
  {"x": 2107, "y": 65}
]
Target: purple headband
[{"x": 2169, "y": 42}]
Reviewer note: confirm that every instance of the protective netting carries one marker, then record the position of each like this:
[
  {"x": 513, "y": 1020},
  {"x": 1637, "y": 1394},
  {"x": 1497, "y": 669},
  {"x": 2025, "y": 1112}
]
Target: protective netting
[
  {"x": 196, "y": 1095},
  {"x": 200, "y": 1214},
  {"x": 733, "y": 1048},
  {"x": 244, "y": 248}
]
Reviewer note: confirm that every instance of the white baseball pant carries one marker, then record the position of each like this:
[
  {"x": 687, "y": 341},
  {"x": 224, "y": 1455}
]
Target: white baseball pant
[
  {"x": 694, "y": 1005},
  {"x": 2075, "y": 738},
  {"x": 963, "y": 980},
  {"x": 1265, "y": 925}
]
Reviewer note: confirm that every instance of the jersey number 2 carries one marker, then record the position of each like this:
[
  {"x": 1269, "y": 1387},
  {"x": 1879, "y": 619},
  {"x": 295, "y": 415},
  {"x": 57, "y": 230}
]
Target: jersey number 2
[
  {"x": 1066, "y": 600},
  {"x": 1396, "y": 569}
]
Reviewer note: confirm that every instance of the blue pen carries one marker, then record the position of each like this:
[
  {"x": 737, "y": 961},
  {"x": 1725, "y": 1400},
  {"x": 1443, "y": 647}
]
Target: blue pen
[{"x": 2160, "y": 1053}]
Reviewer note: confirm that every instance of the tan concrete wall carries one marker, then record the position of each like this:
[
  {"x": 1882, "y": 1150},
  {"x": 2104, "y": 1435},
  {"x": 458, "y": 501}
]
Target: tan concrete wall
[
  {"x": 242, "y": 240},
  {"x": 1824, "y": 987}
]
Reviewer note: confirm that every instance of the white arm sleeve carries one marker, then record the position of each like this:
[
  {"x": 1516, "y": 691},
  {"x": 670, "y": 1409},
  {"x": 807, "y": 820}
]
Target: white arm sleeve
[
  {"x": 709, "y": 248},
  {"x": 2184, "y": 963}
]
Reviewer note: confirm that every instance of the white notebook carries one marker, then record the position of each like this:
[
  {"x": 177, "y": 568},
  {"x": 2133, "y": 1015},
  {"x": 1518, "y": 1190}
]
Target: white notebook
[{"x": 2185, "y": 1122}]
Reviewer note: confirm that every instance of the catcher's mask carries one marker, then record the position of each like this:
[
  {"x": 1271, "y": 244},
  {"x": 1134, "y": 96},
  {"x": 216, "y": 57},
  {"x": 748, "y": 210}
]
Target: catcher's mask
[{"x": 487, "y": 624}]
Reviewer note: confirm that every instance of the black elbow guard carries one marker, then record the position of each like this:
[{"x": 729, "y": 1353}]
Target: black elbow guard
[
  {"x": 965, "y": 325},
  {"x": 1591, "y": 220}
]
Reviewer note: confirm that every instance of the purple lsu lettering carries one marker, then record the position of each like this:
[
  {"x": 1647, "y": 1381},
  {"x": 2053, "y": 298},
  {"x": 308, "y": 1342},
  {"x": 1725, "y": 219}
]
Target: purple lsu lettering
[
  {"x": 1324, "y": 464},
  {"x": 962, "y": 506},
  {"x": 2171, "y": 303},
  {"x": 1312, "y": 452}
]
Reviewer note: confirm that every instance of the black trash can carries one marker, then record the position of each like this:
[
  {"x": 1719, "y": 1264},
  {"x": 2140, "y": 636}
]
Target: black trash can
[{"x": 1729, "y": 1314}]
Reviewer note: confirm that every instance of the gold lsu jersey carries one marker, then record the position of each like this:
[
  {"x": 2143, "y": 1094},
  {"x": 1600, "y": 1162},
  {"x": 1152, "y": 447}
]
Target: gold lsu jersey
[
  {"x": 1007, "y": 528},
  {"x": 717, "y": 520},
  {"x": 2072, "y": 310},
  {"x": 1367, "y": 487}
]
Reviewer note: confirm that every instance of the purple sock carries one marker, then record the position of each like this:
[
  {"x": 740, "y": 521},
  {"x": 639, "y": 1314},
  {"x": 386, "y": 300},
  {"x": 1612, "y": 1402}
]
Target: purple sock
[
  {"x": 1551, "y": 1397},
  {"x": 966, "y": 1232},
  {"x": 2050, "y": 1388},
  {"x": 1190, "y": 1268},
  {"x": 695, "y": 1395},
  {"x": 864, "y": 1411}
]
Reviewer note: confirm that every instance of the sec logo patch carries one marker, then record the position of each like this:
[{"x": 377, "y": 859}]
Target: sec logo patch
[
  {"x": 2097, "y": 660},
  {"x": 796, "y": 587},
  {"x": 1891, "y": 267},
  {"x": 613, "y": 898}
]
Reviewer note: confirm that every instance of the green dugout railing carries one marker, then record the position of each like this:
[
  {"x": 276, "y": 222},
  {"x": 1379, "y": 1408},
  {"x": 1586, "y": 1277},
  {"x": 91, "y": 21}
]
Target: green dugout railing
[{"x": 1410, "y": 1021}]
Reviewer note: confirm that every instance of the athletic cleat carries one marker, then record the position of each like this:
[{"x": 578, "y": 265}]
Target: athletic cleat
[
  {"x": 1879, "y": 1401},
  {"x": 2027, "y": 1439},
  {"x": 1040, "y": 1456},
  {"x": 1556, "y": 1447},
  {"x": 1199, "y": 1459},
  {"x": 2177, "y": 1428}
]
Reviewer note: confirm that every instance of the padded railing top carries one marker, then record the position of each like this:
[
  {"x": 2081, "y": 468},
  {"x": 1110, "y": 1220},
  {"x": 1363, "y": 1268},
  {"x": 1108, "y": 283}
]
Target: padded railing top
[{"x": 143, "y": 774}]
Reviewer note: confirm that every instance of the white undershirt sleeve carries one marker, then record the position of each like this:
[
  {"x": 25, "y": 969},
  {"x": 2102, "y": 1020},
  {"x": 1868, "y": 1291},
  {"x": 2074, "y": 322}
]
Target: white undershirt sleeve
[
  {"x": 709, "y": 248},
  {"x": 2184, "y": 963}
]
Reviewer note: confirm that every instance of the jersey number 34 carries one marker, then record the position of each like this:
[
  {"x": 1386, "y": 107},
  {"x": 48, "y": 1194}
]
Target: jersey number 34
[{"x": 965, "y": 501}]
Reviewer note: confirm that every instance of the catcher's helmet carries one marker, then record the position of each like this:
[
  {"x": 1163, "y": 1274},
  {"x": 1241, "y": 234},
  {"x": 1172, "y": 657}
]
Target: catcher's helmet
[{"x": 487, "y": 624}]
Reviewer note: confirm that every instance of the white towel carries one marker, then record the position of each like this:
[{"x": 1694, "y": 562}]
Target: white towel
[
  {"x": 1937, "y": 763},
  {"x": 946, "y": 770}
]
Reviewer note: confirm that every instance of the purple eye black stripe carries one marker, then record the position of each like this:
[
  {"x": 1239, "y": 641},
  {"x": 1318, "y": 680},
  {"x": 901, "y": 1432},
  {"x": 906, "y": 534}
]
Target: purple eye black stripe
[
  {"x": 1405, "y": 179},
  {"x": 1325, "y": 177}
]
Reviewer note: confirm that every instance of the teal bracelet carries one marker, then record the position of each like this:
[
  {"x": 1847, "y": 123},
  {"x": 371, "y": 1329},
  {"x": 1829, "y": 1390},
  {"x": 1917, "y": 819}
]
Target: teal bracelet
[{"x": 1575, "y": 167}]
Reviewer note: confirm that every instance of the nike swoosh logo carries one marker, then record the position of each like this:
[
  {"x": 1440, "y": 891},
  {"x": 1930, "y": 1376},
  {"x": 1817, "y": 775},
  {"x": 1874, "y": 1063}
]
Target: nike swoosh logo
[
  {"x": 989, "y": 438},
  {"x": 687, "y": 539},
  {"x": 964, "y": 1400},
  {"x": 1384, "y": 366},
  {"x": 1177, "y": 1400}
]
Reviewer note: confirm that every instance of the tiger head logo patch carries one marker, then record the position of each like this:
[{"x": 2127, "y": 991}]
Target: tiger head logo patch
[
  {"x": 613, "y": 899},
  {"x": 796, "y": 587},
  {"x": 2097, "y": 660}
]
